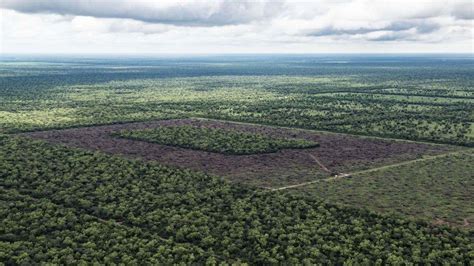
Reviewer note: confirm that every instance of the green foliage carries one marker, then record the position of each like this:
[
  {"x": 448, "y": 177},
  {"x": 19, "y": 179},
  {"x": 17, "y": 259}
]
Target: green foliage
[
  {"x": 36, "y": 230},
  {"x": 65, "y": 205},
  {"x": 437, "y": 190},
  {"x": 215, "y": 140}
]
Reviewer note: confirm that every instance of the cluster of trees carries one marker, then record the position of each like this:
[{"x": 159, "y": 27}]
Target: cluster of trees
[
  {"x": 215, "y": 139},
  {"x": 65, "y": 205}
]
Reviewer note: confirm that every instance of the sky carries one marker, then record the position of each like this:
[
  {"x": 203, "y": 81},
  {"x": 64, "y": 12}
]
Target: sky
[{"x": 233, "y": 26}]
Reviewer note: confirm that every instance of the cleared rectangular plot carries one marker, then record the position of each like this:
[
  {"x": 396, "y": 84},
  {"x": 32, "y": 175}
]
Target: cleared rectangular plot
[{"x": 337, "y": 152}]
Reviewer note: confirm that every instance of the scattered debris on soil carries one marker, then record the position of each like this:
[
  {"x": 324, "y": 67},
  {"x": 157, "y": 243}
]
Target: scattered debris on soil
[{"x": 338, "y": 152}]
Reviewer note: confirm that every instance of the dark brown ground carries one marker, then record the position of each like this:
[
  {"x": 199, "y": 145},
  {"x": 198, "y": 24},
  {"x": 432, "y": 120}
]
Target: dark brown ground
[{"x": 338, "y": 152}]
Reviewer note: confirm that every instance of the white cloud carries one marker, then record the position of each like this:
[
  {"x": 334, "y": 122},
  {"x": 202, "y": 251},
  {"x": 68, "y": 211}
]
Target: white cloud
[
  {"x": 190, "y": 12},
  {"x": 236, "y": 26}
]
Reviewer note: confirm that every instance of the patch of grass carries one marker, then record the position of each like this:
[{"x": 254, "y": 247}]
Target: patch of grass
[{"x": 439, "y": 190}]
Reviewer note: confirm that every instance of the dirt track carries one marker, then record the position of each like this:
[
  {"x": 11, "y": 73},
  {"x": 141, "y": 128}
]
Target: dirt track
[
  {"x": 368, "y": 170},
  {"x": 338, "y": 152}
]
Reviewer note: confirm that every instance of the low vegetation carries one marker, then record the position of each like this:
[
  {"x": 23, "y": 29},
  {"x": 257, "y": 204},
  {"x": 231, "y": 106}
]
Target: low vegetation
[
  {"x": 215, "y": 140},
  {"x": 436, "y": 190}
]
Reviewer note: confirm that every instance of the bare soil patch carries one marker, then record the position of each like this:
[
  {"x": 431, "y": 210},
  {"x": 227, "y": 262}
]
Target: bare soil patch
[{"x": 337, "y": 152}]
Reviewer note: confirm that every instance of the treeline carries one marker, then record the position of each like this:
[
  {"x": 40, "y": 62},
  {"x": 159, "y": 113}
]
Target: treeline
[
  {"x": 65, "y": 205},
  {"x": 215, "y": 139}
]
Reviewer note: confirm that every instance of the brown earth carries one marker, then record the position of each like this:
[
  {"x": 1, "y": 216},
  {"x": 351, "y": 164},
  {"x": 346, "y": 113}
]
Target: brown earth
[{"x": 338, "y": 152}]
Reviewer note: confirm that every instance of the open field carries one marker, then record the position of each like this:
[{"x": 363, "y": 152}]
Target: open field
[
  {"x": 336, "y": 152},
  {"x": 439, "y": 190}
]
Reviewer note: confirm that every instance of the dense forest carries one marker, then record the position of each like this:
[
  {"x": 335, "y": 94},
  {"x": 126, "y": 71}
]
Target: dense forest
[
  {"x": 67, "y": 205},
  {"x": 215, "y": 140}
]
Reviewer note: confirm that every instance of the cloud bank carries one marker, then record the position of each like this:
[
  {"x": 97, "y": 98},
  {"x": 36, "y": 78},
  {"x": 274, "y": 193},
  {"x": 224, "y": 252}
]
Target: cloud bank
[
  {"x": 238, "y": 25},
  {"x": 190, "y": 13}
]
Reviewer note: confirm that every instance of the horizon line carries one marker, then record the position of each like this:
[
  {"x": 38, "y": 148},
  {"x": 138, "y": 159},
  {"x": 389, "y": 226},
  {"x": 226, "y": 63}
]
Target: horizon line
[{"x": 229, "y": 54}]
